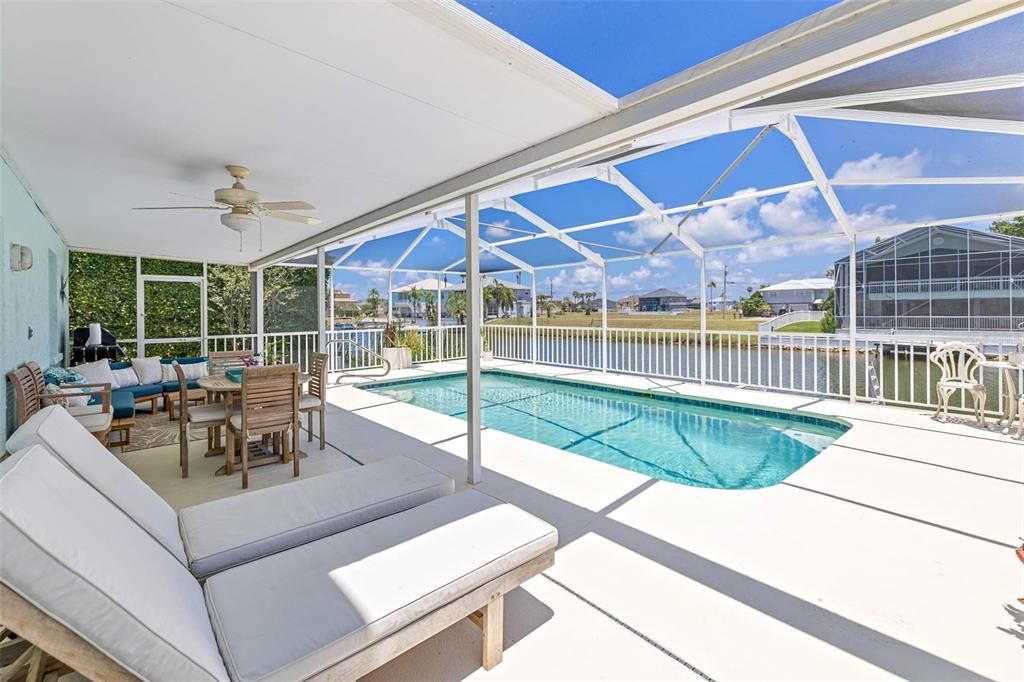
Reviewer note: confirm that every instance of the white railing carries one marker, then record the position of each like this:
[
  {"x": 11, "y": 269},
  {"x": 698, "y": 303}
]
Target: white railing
[
  {"x": 435, "y": 344},
  {"x": 791, "y": 318},
  {"x": 892, "y": 370},
  {"x": 939, "y": 323},
  {"x": 227, "y": 342},
  {"x": 946, "y": 284}
]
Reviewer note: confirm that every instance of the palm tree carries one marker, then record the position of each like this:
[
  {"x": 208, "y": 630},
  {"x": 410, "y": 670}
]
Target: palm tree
[
  {"x": 373, "y": 301},
  {"x": 575, "y": 298},
  {"x": 566, "y": 304},
  {"x": 712, "y": 285},
  {"x": 505, "y": 297},
  {"x": 546, "y": 304},
  {"x": 488, "y": 296},
  {"x": 587, "y": 297},
  {"x": 414, "y": 301},
  {"x": 456, "y": 306}
]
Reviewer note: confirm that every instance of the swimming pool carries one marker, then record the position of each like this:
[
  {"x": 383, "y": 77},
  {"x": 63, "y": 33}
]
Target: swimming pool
[{"x": 695, "y": 442}]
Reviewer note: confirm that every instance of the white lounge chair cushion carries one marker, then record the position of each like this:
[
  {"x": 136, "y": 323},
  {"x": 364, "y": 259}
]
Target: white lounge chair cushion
[
  {"x": 204, "y": 414},
  {"x": 239, "y": 529},
  {"x": 293, "y": 614},
  {"x": 61, "y": 434},
  {"x": 95, "y": 422},
  {"x": 79, "y": 559}
]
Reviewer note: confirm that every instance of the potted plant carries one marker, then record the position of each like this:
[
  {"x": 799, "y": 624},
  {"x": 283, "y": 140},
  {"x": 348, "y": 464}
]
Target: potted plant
[{"x": 399, "y": 345}]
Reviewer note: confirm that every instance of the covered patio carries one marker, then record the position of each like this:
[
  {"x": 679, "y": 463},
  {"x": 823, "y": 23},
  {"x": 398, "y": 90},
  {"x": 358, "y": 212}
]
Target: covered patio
[
  {"x": 849, "y": 569},
  {"x": 422, "y": 127}
]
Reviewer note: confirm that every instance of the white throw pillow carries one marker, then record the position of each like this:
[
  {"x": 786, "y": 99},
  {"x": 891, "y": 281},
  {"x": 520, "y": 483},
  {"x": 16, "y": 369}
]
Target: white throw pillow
[
  {"x": 148, "y": 370},
  {"x": 125, "y": 377},
  {"x": 167, "y": 372},
  {"x": 52, "y": 395},
  {"x": 196, "y": 370},
  {"x": 98, "y": 372}
]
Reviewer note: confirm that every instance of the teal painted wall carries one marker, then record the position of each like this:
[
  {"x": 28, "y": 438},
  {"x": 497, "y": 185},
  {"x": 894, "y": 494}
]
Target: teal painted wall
[{"x": 31, "y": 298}]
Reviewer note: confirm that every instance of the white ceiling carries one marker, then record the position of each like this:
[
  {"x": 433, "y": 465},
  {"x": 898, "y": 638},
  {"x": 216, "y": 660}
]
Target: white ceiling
[{"x": 347, "y": 105}]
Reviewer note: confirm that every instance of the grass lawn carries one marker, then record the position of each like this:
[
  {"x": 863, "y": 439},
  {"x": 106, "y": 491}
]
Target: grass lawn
[
  {"x": 688, "y": 320},
  {"x": 809, "y": 327}
]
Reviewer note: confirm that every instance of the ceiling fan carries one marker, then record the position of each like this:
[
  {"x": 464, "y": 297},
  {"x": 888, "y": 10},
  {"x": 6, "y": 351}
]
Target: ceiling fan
[{"x": 246, "y": 209}]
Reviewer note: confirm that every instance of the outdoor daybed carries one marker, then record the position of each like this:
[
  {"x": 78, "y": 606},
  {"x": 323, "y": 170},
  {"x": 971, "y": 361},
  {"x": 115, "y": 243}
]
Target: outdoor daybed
[{"x": 95, "y": 570}]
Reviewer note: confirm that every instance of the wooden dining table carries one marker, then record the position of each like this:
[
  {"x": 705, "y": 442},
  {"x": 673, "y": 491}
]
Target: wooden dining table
[{"x": 228, "y": 390}]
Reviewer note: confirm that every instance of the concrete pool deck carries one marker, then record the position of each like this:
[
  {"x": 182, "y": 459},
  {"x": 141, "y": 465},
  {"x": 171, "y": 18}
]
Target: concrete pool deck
[{"x": 889, "y": 555}]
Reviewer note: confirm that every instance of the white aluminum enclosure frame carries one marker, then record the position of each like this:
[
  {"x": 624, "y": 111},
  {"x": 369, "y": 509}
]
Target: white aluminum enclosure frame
[{"x": 718, "y": 96}]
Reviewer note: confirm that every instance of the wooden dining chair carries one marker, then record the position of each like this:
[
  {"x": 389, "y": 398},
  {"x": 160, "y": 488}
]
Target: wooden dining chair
[
  {"x": 315, "y": 399},
  {"x": 270, "y": 406},
  {"x": 202, "y": 416},
  {"x": 30, "y": 396},
  {"x": 221, "y": 361}
]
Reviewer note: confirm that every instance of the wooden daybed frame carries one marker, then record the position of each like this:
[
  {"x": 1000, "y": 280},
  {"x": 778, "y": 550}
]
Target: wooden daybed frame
[{"x": 483, "y": 605}]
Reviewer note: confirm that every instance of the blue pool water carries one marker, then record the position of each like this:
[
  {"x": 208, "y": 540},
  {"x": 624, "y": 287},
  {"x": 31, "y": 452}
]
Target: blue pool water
[{"x": 695, "y": 442}]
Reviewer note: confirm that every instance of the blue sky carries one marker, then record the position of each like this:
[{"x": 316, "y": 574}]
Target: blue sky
[{"x": 623, "y": 46}]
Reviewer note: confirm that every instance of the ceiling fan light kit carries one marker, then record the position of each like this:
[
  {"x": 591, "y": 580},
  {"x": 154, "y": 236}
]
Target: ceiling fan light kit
[
  {"x": 239, "y": 220},
  {"x": 247, "y": 206}
]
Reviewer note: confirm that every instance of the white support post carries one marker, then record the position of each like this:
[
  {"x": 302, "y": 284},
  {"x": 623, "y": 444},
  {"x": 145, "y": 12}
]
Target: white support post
[
  {"x": 140, "y": 312},
  {"x": 795, "y": 133},
  {"x": 321, "y": 304},
  {"x": 852, "y": 304},
  {"x": 440, "y": 334},
  {"x": 533, "y": 317},
  {"x": 390, "y": 298},
  {"x": 330, "y": 293},
  {"x": 203, "y": 313},
  {"x": 257, "y": 304},
  {"x": 703, "y": 319},
  {"x": 473, "y": 314},
  {"x": 604, "y": 317}
]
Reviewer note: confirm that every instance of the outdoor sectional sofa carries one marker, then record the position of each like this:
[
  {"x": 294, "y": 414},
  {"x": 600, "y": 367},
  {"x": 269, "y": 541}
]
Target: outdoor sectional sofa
[
  {"x": 124, "y": 400},
  {"x": 325, "y": 577}
]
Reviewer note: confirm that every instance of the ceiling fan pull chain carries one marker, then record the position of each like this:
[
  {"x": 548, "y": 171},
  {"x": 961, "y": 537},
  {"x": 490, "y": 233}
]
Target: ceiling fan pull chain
[
  {"x": 239, "y": 242},
  {"x": 261, "y": 233}
]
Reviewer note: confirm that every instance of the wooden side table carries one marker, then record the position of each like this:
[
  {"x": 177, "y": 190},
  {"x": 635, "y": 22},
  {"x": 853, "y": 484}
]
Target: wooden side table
[{"x": 123, "y": 426}]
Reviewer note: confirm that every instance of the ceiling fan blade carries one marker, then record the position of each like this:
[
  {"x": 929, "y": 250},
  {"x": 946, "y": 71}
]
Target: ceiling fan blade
[
  {"x": 287, "y": 205},
  {"x": 171, "y": 208},
  {"x": 190, "y": 196},
  {"x": 294, "y": 217}
]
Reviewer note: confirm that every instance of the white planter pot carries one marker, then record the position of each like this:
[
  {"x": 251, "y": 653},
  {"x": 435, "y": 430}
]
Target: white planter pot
[
  {"x": 398, "y": 358},
  {"x": 487, "y": 355}
]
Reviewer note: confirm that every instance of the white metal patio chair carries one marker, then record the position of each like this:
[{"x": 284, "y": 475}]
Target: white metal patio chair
[{"x": 961, "y": 371}]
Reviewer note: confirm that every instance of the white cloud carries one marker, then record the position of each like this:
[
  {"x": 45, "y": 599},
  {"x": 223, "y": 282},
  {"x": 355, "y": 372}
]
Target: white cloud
[
  {"x": 725, "y": 223},
  {"x": 873, "y": 216},
  {"x": 642, "y": 233},
  {"x": 720, "y": 224},
  {"x": 373, "y": 275},
  {"x": 627, "y": 279},
  {"x": 498, "y": 230},
  {"x": 587, "y": 275},
  {"x": 877, "y": 166},
  {"x": 775, "y": 249},
  {"x": 796, "y": 214},
  {"x": 659, "y": 262}
]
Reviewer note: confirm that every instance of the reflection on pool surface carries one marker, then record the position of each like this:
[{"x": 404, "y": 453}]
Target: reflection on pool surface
[{"x": 695, "y": 442}]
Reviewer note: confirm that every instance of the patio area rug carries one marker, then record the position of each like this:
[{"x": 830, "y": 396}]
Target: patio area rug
[{"x": 155, "y": 430}]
